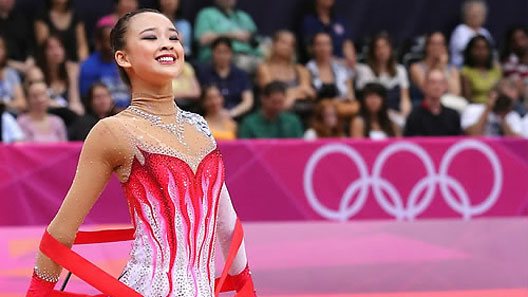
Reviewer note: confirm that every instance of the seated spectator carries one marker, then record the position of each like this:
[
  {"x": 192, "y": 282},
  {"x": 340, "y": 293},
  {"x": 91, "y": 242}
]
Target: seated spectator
[
  {"x": 37, "y": 124},
  {"x": 474, "y": 13},
  {"x": 222, "y": 126},
  {"x": 224, "y": 20},
  {"x": 436, "y": 57},
  {"x": 172, "y": 10},
  {"x": 99, "y": 105},
  {"x": 60, "y": 75},
  {"x": 382, "y": 68},
  {"x": 15, "y": 29},
  {"x": 101, "y": 67},
  {"x": 59, "y": 18},
  {"x": 233, "y": 82},
  {"x": 432, "y": 118},
  {"x": 509, "y": 88},
  {"x": 330, "y": 78},
  {"x": 281, "y": 66},
  {"x": 33, "y": 75},
  {"x": 121, "y": 7},
  {"x": 11, "y": 93},
  {"x": 373, "y": 120},
  {"x": 515, "y": 59},
  {"x": 9, "y": 129},
  {"x": 493, "y": 118},
  {"x": 326, "y": 121},
  {"x": 324, "y": 18},
  {"x": 480, "y": 72},
  {"x": 271, "y": 121}
]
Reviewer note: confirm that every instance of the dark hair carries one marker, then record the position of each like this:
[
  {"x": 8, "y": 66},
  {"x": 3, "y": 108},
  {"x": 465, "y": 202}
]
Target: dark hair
[
  {"x": 42, "y": 61},
  {"x": 382, "y": 116},
  {"x": 371, "y": 56},
  {"x": 90, "y": 95},
  {"x": 312, "y": 8},
  {"x": 117, "y": 36},
  {"x": 49, "y": 4},
  {"x": 508, "y": 49},
  {"x": 177, "y": 14},
  {"x": 6, "y": 52},
  {"x": 314, "y": 37},
  {"x": 469, "y": 60},
  {"x": 222, "y": 40},
  {"x": 273, "y": 88},
  {"x": 317, "y": 121},
  {"x": 428, "y": 40},
  {"x": 205, "y": 90}
]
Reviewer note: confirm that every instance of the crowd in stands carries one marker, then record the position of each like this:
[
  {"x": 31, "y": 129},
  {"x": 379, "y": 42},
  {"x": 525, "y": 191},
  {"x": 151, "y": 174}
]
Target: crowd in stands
[{"x": 56, "y": 82}]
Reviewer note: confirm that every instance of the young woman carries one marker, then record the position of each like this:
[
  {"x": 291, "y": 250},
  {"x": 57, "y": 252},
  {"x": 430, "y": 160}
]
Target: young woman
[
  {"x": 60, "y": 19},
  {"x": 373, "y": 121},
  {"x": 171, "y": 171},
  {"x": 172, "y": 10},
  {"x": 222, "y": 125},
  {"x": 480, "y": 72},
  {"x": 325, "y": 122},
  {"x": 11, "y": 93}
]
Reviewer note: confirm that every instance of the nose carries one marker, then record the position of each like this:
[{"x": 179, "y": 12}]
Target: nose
[{"x": 167, "y": 47}]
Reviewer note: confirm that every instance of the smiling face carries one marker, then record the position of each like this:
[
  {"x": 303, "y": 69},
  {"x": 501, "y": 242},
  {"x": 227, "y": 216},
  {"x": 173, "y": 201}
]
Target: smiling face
[{"x": 153, "y": 52}]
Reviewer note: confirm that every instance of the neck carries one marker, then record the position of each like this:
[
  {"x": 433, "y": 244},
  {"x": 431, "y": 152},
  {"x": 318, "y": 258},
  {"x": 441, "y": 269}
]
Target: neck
[
  {"x": 157, "y": 100},
  {"x": 322, "y": 60},
  {"x": 275, "y": 59},
  {"x": 434, "y": 105},
  {"x": 54, "y": 72},
  {"x": 223, "y": 70},
  {"x": 37, "y": 115},
  {"x": 269, "y": 115}
]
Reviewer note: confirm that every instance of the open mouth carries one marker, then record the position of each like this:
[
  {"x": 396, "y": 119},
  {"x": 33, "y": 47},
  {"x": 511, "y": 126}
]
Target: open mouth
[{"x": 166, "y": 59}]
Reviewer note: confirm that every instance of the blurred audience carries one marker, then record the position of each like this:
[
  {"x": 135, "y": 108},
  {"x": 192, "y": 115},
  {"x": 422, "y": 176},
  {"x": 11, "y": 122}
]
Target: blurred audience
[
  {"x": 373, "y": 120},
  {"x": 474, "y": 16},
  {"x": 60, "y": 19},
  {"x": 99, "y": 105},
  {"x": 432, "y": 118},
  {"x": 223, "y": 19},
  {"x": 323, "y": 18},
  {"x": 11, "y": 92},
  {"x": 186, "y": 88},
  {"x": 37, "y": 124},
  {"x": 9, "y": 129},
  {"x": 515, "y": 59},
  {"x": 222, "y": 125},
  {"x": 121, "y": 7},
  {"x": 436, "y": 57},
  {"x": 16, "y": 29},
  {"x": 172, "y": 10},
  {"x": 282, "y": 66},
  {"x": 480, "y": 72},
  {"x": 271, "y": 121},
  {"x": 100, "y": 67},
  {"x": 382, "y": 68},
  {"x": 330, "y": 78},
  {"x": 60, "y": 75},
  {"x": 326, "y": 121},
  {"x": 233, "y": 82},
  {"x": 496, "y": 117}
]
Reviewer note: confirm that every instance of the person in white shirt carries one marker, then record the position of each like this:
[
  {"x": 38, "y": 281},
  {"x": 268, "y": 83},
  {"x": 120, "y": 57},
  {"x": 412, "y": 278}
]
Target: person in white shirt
[
  {"x": 474, "y": 13},
  {"x": 11, "y": 132},
  {"x": 494, "y": 118}
]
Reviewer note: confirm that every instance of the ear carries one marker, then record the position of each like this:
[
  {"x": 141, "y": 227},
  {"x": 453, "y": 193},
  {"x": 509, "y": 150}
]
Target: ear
[{"x": 122, "y": 59}]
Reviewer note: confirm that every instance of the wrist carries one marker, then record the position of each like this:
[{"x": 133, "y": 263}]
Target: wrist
[{"x": 40, "y": 286}]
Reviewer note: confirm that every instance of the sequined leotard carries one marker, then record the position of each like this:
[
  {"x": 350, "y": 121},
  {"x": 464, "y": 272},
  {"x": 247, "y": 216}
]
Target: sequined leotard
[{"x": 172, "y": 174}]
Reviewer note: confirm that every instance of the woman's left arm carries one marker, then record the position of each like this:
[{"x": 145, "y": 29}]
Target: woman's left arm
[
  {"x": 82, "y": 44},
  {"x": 74, "y": 97}
]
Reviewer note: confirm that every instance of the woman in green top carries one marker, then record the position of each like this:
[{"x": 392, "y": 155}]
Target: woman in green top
[{"x": 480, "y": 72}]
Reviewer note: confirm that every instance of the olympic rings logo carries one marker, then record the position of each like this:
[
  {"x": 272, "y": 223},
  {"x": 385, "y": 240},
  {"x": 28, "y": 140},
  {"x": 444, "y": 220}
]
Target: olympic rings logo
[{"x": 394, "y": 204}]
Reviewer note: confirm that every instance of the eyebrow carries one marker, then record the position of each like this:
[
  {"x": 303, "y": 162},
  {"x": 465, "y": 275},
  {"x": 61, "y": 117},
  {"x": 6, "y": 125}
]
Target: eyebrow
[{"x": 154, "y": 29}]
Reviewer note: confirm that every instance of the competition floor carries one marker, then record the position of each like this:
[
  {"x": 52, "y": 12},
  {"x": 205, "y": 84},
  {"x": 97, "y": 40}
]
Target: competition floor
[{"x": 484, "y": 257}]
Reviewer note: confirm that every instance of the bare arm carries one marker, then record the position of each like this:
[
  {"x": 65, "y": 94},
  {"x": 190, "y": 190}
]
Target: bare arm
[
  {"x": 357, "y": 127},
  {"x": 74, "y": 97},
  {"x": 41, "y": 31},
  {"x": 82, "y": 44},
  {"x": 478, "y": 128},
  {"x": 417, "y": 76},
  {"x": 19, "y": 101},
  {"x": 405, "y": 102},
  {"x": 466, "y": 88},
  {"x": 453, "y": 82},
  {"x": 244, "y": 106}
]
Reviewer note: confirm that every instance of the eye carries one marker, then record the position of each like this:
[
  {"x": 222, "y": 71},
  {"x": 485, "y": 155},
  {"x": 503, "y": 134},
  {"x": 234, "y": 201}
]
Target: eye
[
  {"x": 149, "y": 37},
  {"x": 175, "y": 37}
]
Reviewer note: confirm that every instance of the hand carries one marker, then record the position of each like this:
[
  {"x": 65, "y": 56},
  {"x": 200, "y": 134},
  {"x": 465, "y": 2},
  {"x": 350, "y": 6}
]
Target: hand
[
  {"x": 492, "y": 98},
  {"x": 241, "y": 35}
]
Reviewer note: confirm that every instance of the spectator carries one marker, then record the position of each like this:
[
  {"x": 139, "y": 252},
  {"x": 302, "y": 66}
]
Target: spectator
[
  {"x": 508, "y": 87},
  {"x": 326, "y": 121},
  {"x": 9, "y": 129},
  {"x": 34, "y": 75},
  {"x": 432, "y": 118},
  {"x": 474, "y": 13},
  {"x": 493, "y": 118},
  {"x": 373, "y": 120},
  {"x": 100, "y": 67},
  {"x": 330, "y": 78},
  {"x": 515, "y": 58},
  {"x": 15, "y": 29},
  {"x": 271, "y": 121},
  {"x": 436, "y": 57},
  {"x": 172, "y": 10},
  {"x": 233, "y": 82},
  {"x": 186, "y": 88},
  {"x": 99, "y": 105},
  {"x": 382, "y": 68},
  {"x": 222, "y": 125},
  {"x": 282, "y": 66},
  {"x": 121, "y": 7},
  {"x": 61, "y": 20},
  {"x": 11, "y": 93},
  {"x": 480, "y": 72},
  {"x": 37, "y": 124},
  {"x": 224, "y": 20},
  {"x": 323, "y": 18},
  {"x": 60, "y": 75}
]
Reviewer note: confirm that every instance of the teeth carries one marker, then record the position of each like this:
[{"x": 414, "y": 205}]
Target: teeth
[{"x": 166, "y": 59}]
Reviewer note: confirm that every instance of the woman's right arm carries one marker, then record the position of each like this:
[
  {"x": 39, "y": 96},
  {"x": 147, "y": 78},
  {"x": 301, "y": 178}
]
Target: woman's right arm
[
  {"x": 100, "y": 154},
  {"x": 41, "y": 31}
]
